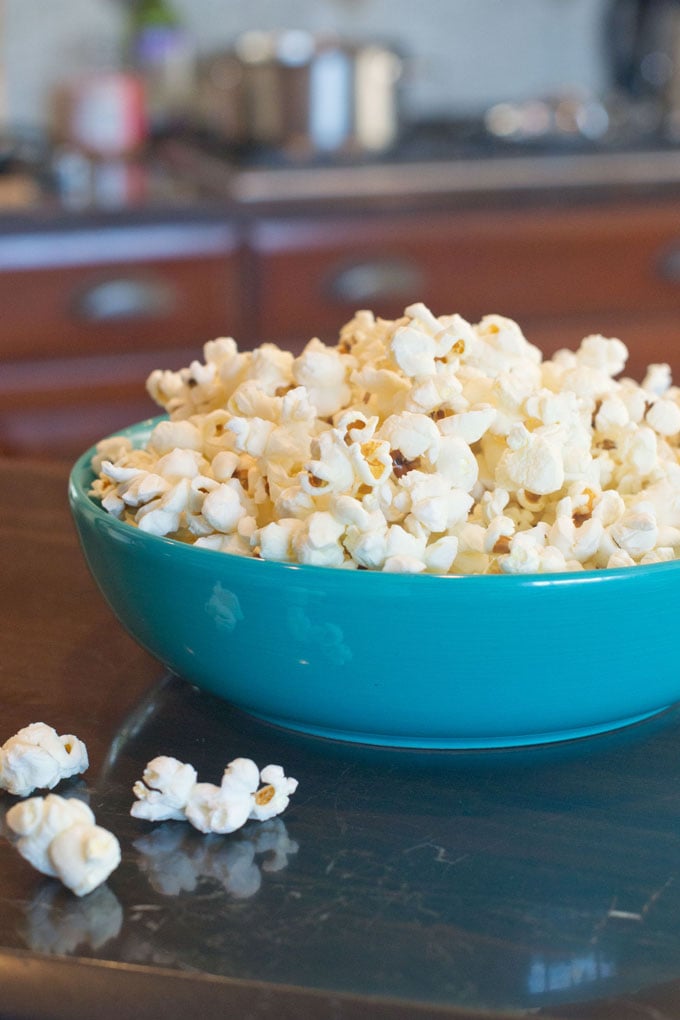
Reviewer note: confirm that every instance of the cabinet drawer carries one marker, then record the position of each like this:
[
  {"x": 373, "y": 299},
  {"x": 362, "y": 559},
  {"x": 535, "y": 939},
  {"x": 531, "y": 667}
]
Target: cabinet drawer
[
  {"x": 116, "y": 290},
  {"x": 65, "y": 431},
  {"x": 529, "y": 264},
  {"x": 59, "y": 407}
]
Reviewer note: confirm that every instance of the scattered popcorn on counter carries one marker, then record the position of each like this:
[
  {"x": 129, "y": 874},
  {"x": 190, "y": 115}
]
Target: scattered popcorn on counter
[
  {"x": 37, "y": 758},
  {"x": 59, "y": 838},
  {"x": 169, "y": 790},
  {"x": 422, "y": 445},
  {"x": 163, "y": 792}
]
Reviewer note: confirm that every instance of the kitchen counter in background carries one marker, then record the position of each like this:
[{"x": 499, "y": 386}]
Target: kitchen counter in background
[
  {"x": 568, "y": 243},
  {"x": 190, "y": 172},
  {"x": 492, "y": 172}
]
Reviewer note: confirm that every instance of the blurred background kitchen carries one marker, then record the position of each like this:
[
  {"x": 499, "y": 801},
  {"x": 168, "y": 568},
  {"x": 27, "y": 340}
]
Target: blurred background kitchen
[{"x": 175, "y": 170}]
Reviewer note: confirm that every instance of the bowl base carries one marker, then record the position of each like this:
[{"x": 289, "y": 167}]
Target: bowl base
[{"x": 452, "y": 743}]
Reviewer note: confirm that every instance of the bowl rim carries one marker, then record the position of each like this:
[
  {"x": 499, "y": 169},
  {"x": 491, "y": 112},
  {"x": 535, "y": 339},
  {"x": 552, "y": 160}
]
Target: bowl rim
[{"x": 81, "y": 474}]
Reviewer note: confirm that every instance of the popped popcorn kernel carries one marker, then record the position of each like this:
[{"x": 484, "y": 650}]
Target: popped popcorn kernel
[
  {"x": 163, "y": 791},
  {"x": 657, "y": 379},
  {"x": 37, "y": 758},
  {"x": 423, "y": 444},
  {"x": 273, "y": 798},
  {"x": 58, "y": 837},
  {"x": 170, "y": 789},
  {"x": 664, "y": 417}
]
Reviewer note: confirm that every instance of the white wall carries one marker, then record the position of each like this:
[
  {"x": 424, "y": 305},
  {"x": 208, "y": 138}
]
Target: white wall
[{"x": 465, "y": 54}]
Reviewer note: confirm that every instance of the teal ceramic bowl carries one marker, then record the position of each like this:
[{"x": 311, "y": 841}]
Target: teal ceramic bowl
[{"x": 399, "y": 660}]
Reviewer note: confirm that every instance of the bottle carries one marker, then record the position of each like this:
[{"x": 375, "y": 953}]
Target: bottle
[
  {"x": 98, "y": 122},
  {"x": 161, "y": 50}
]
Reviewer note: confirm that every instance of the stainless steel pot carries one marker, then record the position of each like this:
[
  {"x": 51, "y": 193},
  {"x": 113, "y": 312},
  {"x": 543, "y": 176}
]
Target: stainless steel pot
[{"x": 303, "y": 94}]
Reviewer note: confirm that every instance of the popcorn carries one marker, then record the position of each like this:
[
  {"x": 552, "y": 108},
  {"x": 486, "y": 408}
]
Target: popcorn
[
  {"x": 275, "y": 540},
  {"x": 412, "y": 436},
  {"x": 331, "y": 469},
  {"x": 224, "y": 465},
  {"x": 439, "y": 555},
  {"x": 523, "y": 558},
  {"x": 39, "y": 819},
  {"x": 403, "y": 565},
  {"x": 664, "y": 417},
  {"x": 531, "y": 462},
  {"x": 662, "y": 554},
  {"x": 498, "y": 534},
  {"x": 59, "y": 838},
  {"x": 322, "y": 371},
  {"x": 317, "y": 542},
  {"x": 172, "y": 435},
  {"x": 457, "y": 463},
  {"x": 367, "y": 548},
  {"x": 426, "y": 444},
  {"x": 636, "y": 531},
  {"x": 144, "y": 487},
  {"x": 414, "y": 351},
  {"x": 372, "y": 462},
  {"x": 250, "y": 435},
  {"x": 169, "y": 790},
  {"x": 580, "y": 542},
  {"x": 612, "y": 414},
  {"x": 163, "y": 792},
  {"x": 119, "y": 472},
  {"x": 156, "y": 520},
  {"x": 272, "y": 798},
  {"x": 110, "y": 450},
  {"x": 620, "y": 559},
  {"x": 639, "y": 452},
  {"x": 223, "y": 508},
  {"x": 37, "y": 758},
  {"x": 179, "y": 463},
  {"x": 209, "y": 809},
  {"x": 434, "y": 503},
  {"x": 251, "y": 401},
  {"x": 657, "y": 379},
  {"x": 83, "y": 856},
  {"x": 382, "y": 389},
  {"x": 469, "y": 425},
  {"x": 497, "y": 345},
  {"x": 598, "y": 352},
  {"x": 494, "y": 503}
]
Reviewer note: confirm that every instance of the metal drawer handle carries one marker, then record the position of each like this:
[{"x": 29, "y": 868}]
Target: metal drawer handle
[
  {"x": 668, "y": 264},
  {"x": 126, "y": 298},
  {"x": 363, "y": 282}
]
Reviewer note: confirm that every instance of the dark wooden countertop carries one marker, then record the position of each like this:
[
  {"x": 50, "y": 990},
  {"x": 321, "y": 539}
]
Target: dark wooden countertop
[{"x": 398, "y": 884}]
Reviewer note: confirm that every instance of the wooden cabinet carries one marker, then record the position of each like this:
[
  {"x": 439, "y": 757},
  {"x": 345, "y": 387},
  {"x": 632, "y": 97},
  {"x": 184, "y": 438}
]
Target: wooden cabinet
[
  {"x": 88, "y": 313},
  {"x": 560, "y": 272}
]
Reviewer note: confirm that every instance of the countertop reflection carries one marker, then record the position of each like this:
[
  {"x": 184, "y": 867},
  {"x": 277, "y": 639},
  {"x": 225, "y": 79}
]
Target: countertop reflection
[{"x": 508, "y": 880}]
